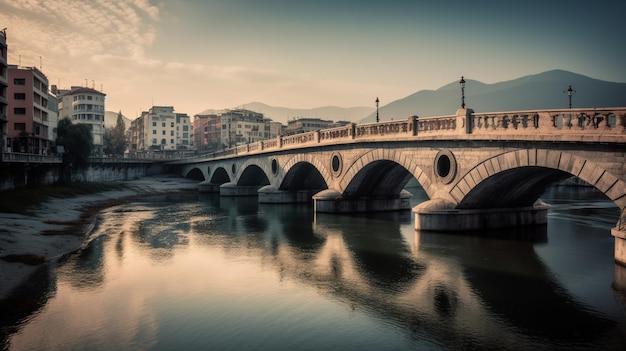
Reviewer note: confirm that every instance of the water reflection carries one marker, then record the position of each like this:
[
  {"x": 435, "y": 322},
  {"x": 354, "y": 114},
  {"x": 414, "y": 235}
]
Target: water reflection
[{"x": 202, "y": 272}]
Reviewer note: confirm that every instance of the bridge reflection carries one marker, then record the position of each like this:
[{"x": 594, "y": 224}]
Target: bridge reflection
[
  {"x": 465, "y": 291},
  {"x": 454, "y": 287}
]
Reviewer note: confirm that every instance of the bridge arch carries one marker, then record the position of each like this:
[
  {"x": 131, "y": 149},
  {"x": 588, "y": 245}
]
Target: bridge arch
[
  {"x": 219, "y": 176},
  {"x": 195, "y": 174},
  {"x": 251, "y": 173},
  {"x": 382, "y": 172},
  {"x": 305, "y": 166},
  {"x": 518, "y": 178}
]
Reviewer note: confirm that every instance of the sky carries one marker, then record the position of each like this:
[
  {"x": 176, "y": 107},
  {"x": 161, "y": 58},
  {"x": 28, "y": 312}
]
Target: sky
[{"x": 209, "y": 54}]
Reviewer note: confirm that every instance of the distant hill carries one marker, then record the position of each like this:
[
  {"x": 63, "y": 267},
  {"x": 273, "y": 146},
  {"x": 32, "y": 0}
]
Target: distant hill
[
  {"x": 540, "y": 91},
  {"x": 110, "y": 119},
  {"x": 284, "y": 114}
]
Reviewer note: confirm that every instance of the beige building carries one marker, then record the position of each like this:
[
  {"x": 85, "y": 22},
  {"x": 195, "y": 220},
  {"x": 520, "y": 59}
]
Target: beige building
[
  {"x": 304, "y": 125},
  {"x": 244, "y": 126},
  {"x": 83, "y": 105},
  {"x": 160, "y": 129}
]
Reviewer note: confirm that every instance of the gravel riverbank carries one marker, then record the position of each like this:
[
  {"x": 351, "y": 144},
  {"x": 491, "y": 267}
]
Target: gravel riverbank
[{"x": 59, "y": 226}]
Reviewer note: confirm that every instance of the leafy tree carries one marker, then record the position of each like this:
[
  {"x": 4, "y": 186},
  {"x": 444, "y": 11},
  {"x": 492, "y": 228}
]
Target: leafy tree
[
  {"x": 115, "y": 142},
  {"x": 77, "y": 142}
]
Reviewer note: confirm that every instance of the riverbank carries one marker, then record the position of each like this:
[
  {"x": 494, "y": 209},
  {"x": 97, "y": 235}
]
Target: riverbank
[{"x": 60, "y": 225}]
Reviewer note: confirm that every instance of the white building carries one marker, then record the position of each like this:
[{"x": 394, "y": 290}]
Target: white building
[
  {"x": 84, "y": 106},
  {"x": 161, "y": 129}
]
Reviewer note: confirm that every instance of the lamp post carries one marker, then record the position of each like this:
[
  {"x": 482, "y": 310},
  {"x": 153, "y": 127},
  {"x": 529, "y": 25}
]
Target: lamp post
[
  {"x": 462, "y": 83},
  {"x": 377, "y": 101},
  {"x": 569, "y": 92}
]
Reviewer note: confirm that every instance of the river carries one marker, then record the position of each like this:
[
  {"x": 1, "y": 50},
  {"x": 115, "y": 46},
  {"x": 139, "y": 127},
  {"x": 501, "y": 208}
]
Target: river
[{"x": 200, "y": 272}]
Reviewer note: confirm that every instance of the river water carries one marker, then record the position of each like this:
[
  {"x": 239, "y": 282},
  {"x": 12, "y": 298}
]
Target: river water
[{"x": 196, "y": 272}]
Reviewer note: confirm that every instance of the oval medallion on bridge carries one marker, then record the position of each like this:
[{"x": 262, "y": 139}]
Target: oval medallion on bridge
[
  {"x": 274, "y": 166},
  {"x": 445, "y": 166},
  {"x": 233, "y": 168},
  {"x": 336, "y": 164}
]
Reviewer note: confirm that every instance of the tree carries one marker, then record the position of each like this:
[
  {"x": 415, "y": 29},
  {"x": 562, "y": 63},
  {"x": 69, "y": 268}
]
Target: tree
[
  {"x": 77, "y": 142},
  {"x": 115, "y": 142}
]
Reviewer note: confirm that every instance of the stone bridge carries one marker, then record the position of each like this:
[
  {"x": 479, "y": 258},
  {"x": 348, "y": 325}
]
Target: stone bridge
[{"x": 480, "y": 170}]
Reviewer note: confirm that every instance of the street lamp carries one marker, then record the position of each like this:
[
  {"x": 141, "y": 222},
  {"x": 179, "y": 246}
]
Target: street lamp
[
  {"x": 462, "y": 82},
  {"x": 377, "y": 101},
  {"x": 569, "y": 92}
]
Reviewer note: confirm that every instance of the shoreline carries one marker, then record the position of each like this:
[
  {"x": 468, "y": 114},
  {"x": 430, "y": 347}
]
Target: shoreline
[{"x": 59, "y": 226}]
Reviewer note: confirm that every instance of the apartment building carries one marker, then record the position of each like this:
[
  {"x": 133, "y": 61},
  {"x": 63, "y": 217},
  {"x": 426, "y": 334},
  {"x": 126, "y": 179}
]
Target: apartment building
[
  {"x": 83, "y": 105},
  {"x": 207, "y": 132},
  {"x": 241, "y": 126},
  {"x": 27, "y": 111},
  {"x": 160, "y": 129},
  {"x": 304, "y": 125},
  {"x": 4, "y": 119}
]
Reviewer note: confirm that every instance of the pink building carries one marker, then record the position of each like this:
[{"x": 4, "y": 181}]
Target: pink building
[
  {"x": 27, "y": 112},
  {"x": 207, "y": 132}
]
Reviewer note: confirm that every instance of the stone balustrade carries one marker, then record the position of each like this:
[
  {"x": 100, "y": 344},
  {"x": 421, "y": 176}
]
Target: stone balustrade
[{"x": 595, "y": 124}]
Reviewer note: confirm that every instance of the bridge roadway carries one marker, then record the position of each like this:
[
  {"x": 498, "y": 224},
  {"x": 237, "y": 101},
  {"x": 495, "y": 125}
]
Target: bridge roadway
[{"x": 480, "y": 170}]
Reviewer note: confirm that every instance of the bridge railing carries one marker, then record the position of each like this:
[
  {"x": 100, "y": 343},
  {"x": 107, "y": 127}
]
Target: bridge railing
[
  {"x": 29, "y": 158},
  {"x": 567, "y": 124},
  {"x": 386, "y": 129},
  {"x": 591, "y": 124}
]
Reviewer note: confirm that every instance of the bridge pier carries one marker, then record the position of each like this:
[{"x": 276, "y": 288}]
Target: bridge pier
[
  {"x": 269, "y": 194},
  {"x": 620, "y": 249},
  {"x": 232, "y": 189},
  {"x": 440, "y": 215},
  {"x": 208, "y": 187},
  {"x": 332, "y": 201}
]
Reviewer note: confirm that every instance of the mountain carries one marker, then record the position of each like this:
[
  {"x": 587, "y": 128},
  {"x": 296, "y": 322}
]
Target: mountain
[
  {"x": 284, "y": 114},
  {"x": 540, "y": 91}
]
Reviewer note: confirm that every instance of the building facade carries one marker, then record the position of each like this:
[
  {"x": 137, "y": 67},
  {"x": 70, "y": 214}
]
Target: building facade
[
  {"x": 4, "y": 119},
  {"x": 304, "y": 125},
  {"x": 160, "y": 129},
  {"x": 83, "y": 105},
  {"x": 241, "y": 126},
  {"x": 207, "y": 132},
  {"x": 27, "y": 111}
]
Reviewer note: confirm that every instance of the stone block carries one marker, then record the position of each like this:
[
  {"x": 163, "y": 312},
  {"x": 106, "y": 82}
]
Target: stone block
[
  {"x": 552, "y": 159},
  {"x": 591, "y": 173},
  {"x": 606, "y": 181}
]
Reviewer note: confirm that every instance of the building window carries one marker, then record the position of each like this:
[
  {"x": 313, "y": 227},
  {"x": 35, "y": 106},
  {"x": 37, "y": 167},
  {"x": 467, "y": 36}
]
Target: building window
[
  {"x": 154, "y": 141},
  {"x": 163, "y": 133},
  {"x": 163, "y": 141},
  {"x": 163, "y": 124},
  {"x": 19, "y": 110},
  {"x": 171, "y": 141},
  {"x": 154, "y": 124},
  {"x": 19, "y": 126},
  {"x": 172, "y": 124},
  {"x": 172, "y": 133},
  {"x": 19, "y": 96},
  {"x": 185, "y": 128},
  {"x": 19, "y": 81},
  {"x": 154, "y": 132}
]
